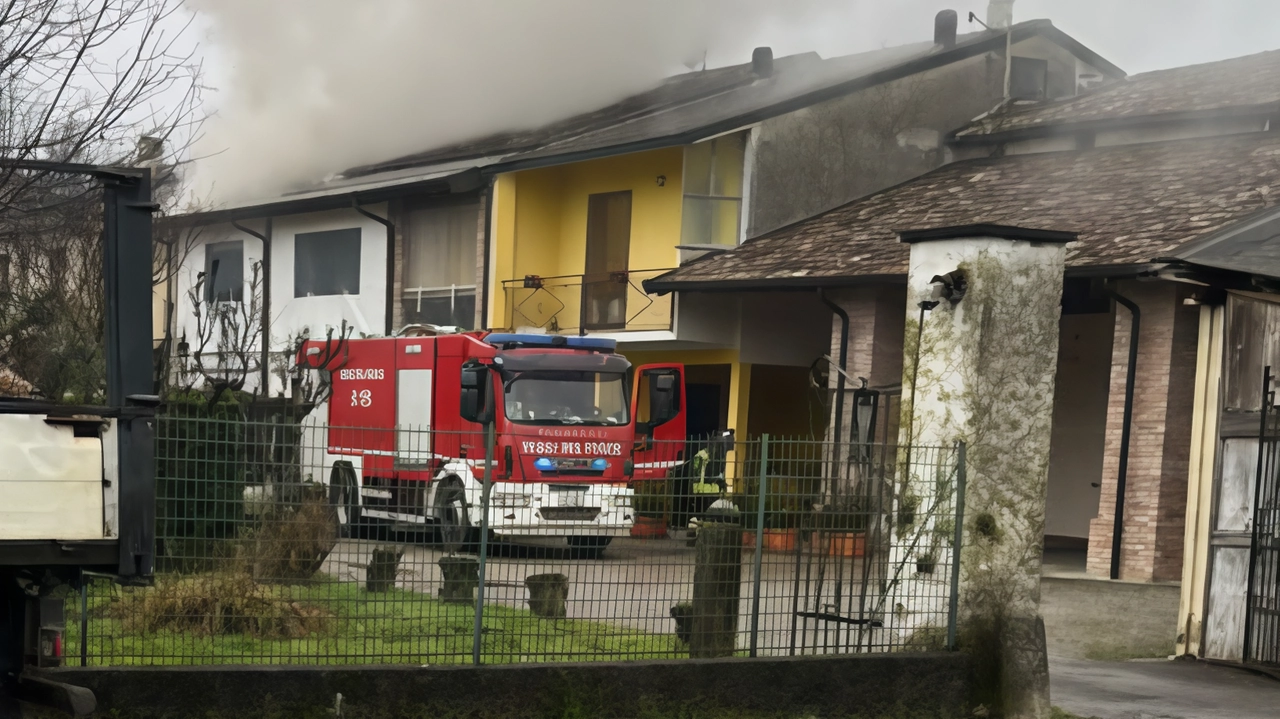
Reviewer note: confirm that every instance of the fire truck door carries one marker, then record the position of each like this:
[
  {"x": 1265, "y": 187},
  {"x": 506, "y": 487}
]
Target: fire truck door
[
  {"x": 413, "y": 416},
  {"x": 657, "y": 399}
]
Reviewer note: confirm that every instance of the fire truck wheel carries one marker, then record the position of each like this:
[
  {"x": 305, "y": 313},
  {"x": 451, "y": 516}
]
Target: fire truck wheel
[
  {"x": 456, "y": 532},
  {"x": 342, "y": 495},
  {"x": 588, "y": 547}
]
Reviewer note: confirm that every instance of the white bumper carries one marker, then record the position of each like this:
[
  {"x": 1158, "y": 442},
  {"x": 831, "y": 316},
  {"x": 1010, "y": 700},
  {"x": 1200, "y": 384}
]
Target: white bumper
[{"x": 557, "y": 509}]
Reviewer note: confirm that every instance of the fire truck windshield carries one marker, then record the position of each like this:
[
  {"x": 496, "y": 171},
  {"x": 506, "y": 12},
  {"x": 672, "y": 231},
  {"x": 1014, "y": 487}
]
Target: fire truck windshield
[{"x": 566, "y": 397}]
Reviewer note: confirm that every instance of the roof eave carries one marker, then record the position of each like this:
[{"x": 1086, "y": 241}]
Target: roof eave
[
  {"x": 461, "y": 183},
  {"x": 660, "y": 287}
]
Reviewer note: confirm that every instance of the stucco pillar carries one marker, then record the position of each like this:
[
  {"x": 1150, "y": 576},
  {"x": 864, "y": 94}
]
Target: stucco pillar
[{"x": 986, "y": 355}]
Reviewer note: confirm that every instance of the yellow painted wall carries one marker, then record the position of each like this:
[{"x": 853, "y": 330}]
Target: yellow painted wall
[{"x": 546, "y": 209}]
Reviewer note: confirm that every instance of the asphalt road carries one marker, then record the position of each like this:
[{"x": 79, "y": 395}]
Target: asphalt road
[{"x": 1161, "y": 689}]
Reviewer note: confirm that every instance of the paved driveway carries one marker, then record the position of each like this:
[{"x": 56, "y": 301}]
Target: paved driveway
[{"x": 1161, "y": 689}]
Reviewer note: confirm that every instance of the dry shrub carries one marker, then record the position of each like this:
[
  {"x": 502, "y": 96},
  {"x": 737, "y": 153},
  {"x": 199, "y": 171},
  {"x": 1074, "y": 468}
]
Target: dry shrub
[
  {"x": 293, "y": 540},
  {"x": 220, "y": 603}
]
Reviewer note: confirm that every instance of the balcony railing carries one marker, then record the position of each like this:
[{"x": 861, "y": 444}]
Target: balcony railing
[{"x": 613, "y": 302}]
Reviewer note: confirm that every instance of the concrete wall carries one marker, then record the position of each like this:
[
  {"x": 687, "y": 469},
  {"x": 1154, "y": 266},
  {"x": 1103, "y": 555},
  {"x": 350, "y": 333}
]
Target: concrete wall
[
  {"x": 1160, "y": 445},
  {"x": 908, "y": 684},
  {"x": 1079, "y": 423}
]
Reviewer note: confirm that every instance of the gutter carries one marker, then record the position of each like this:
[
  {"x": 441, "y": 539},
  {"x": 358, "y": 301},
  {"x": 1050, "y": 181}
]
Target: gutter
[
  {"x": 389, "y": 327},
  {"x": 265, "y": 358},
  {"x": 1122, "y": 475},
  {"x": 658, "y": 286}
]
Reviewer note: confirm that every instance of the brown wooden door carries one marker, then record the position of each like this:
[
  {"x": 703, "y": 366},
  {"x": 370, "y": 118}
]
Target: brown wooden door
[{"x": 604, "y": 284}]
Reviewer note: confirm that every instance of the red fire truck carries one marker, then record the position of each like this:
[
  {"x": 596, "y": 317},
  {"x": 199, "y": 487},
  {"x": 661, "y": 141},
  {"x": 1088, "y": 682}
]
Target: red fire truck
[{"x": 400, "y": 444}]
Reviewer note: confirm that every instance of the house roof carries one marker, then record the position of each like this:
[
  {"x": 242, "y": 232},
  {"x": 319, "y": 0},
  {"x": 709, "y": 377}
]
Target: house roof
[
  {"x": 691, "y": 106},
  {"x": 1241, "y": 83},
  {"x": 681, "y": 110},
  {"x": 1130, "y": 204}
]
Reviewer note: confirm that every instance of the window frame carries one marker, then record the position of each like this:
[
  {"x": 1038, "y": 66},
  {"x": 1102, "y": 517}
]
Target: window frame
[
  {"x": 235, "y": 293},
  {"x": 710, "y": 199},
  {"x": 306, "y": 238}
]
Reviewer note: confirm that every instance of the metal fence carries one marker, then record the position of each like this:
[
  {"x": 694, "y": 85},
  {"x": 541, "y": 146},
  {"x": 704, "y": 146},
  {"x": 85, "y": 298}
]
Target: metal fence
[{"x": 763, "y": 547}]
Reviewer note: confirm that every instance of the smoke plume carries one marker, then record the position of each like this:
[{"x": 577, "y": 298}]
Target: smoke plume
[{"x": 307, "y": 88}]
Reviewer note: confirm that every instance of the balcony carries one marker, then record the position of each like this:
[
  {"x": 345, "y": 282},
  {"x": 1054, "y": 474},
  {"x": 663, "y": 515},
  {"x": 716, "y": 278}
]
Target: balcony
[{"x": 578, "y": 304}]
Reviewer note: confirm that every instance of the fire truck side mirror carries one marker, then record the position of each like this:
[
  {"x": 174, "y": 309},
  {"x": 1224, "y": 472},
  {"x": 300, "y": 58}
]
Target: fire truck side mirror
[
  {"x": 664, "y": 400},
  {"x": 477, "y": 394}
]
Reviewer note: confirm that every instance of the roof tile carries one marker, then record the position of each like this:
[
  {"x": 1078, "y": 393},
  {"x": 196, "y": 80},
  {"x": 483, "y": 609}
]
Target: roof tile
[{"x": 1130, "y": 204}]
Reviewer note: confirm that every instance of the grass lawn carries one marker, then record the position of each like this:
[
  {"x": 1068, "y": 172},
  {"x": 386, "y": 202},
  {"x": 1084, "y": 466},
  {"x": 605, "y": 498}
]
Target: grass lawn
[{"x": 332, "y": 622}]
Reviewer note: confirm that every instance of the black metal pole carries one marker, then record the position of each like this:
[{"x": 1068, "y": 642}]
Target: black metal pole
[
  {"x": 1122, "y": 474},
  {"x": 127, "y": 208},
  {"x": 844, "y": 358}
]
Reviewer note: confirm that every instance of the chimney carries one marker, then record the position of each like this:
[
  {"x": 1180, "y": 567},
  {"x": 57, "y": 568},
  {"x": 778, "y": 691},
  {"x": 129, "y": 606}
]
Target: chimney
[
  {"x": 944, "y": 28},
  {"x": 762, "y": 61},
  {"x": 1000, "y": 14}
]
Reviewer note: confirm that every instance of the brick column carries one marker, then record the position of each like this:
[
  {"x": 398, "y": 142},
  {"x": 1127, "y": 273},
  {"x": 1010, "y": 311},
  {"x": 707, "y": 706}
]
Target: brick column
[
  {"x": 1160, "y": 436},
  {"x": 875, "y": 342}
]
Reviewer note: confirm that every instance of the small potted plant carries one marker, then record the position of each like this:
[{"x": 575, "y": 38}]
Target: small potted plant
[
  {"x": 650, "y": 505},
  {"x": 846, "y": 529}
]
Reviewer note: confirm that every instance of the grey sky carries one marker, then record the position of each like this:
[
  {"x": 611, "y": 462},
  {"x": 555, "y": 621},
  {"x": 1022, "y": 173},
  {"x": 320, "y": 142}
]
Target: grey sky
[{"x": 305, "y": 88}]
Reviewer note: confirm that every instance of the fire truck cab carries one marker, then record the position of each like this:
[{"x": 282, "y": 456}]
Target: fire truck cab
[{"x": 397, "y": 446}]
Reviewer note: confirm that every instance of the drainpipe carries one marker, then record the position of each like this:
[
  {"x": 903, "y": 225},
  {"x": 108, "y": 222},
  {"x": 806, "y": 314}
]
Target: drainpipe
[
  {"x": 1117, "y": 532},
  {"x": 391, "y": 259},
  {"x": 265, "y": 358},
  {"x": 844, "y": 355}
]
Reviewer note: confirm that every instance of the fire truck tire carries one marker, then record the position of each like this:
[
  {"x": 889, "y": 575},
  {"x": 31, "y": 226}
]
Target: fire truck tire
[
  {"x": 343, "y": 496},
  {"x": 454, "y": 528},
  {"x": 588, "y": 547}
]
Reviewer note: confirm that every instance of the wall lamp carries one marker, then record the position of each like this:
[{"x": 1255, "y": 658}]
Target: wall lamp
[{"x": 951, "y": 287}]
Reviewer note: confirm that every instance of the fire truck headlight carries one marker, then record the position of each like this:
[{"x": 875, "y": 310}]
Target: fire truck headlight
[
  {"x": 544, "y": 464},
  {"x": 599, "y": 465}
]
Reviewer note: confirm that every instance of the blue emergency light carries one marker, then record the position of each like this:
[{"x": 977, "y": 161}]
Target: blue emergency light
[
  {"x": 544, "y": 464},
  {"x": 532, "y": 340}
]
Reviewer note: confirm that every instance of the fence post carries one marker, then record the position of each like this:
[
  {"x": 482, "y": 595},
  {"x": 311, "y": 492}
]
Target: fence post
[
  {"x": 953, "y": 608},
  {"x": 84, "y": 619},
  {"x": 489, "y": 461},
  {"x": 762, "y": 491}
]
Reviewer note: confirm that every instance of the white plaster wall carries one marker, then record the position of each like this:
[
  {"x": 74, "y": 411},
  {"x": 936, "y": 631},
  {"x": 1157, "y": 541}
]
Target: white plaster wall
[
  {"x": 784, "y": 328},
  {"x": 709, "y": 318},
  {"x": 290, "y": 315}
]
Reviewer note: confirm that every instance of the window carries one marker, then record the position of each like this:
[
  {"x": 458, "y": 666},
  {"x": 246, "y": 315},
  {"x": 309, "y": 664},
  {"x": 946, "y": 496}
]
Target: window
[
  {"x": 605, "y": 283},
  {"x": 713, "y": 191},
  {"x": 326, "y": 263},
  {"x": 1028, "y": 78},
  {"x": 555, "y": 397},
  {"x": 440, "y": 265},
  {"x": 224, "y": 272}
]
